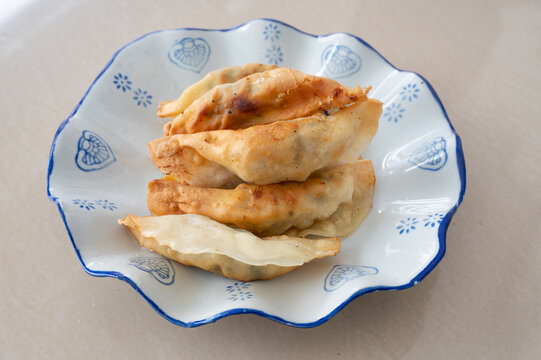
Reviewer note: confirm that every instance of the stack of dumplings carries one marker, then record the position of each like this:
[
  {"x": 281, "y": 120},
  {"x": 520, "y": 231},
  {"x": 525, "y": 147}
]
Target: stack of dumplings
[{"x": 262, "y": 171}]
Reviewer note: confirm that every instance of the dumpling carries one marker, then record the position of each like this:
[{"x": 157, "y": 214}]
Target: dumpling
[
  {"x": 196, "y": 240},
  {"x": 349, "y": 215},
  {"x": 268, "y": 209},
  {"x": 218, "y": 77},
  {"x": 262, "y": 98},
  {"x": 266, "y": 154},
  {"x": 189, "y": 166}
]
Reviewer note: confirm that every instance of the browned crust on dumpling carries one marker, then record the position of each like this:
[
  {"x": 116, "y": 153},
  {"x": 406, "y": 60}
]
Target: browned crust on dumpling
[
  {"x": 262, "y": 98},
  {"x": 349, "y": 216},
  {"x": 190, "y": 167},
  {"x": 262, "y": 209},
  {"x": 265, "y": 154},
  {"x": 219, "y": 77}
]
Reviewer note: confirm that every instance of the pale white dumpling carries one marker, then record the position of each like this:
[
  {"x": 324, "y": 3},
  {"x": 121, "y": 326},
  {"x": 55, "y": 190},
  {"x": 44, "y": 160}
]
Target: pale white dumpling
[{"x": 197, "y": 240}]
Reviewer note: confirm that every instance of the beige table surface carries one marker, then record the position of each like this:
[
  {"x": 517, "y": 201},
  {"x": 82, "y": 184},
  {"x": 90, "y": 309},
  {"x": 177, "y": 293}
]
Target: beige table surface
[{"x": 483, "y": 300}]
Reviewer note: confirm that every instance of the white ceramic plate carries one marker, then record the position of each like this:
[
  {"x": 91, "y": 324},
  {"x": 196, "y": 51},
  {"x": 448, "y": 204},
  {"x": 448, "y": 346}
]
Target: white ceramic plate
[{"x": 99, "y": 170}]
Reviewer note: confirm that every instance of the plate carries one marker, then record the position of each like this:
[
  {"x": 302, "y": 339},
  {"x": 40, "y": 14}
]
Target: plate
[{"x": 99, "y": 170}]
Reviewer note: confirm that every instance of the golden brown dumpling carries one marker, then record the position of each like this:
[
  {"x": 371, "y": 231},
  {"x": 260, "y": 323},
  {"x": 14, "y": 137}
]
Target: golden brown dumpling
[
  {"x": 349, "y": 215},
  {"x": 218, "y": 77},
  {"x": 262, "y": 98},
  {"x": 269, "y": 209},
  {"x": 266, "y": 154},
  {"x": 196, "y": 240}
]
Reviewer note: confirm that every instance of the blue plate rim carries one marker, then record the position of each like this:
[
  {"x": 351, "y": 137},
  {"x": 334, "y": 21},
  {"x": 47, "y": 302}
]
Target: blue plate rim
[{"x": 442, "y": 230}]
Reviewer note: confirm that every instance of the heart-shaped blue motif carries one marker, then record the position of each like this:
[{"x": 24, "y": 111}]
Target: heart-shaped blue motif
[
  {"x": 340, "y": 61},
  {"x": 160, "y": 269},
  {"x": 190, "y": 53},
  {"x": 341, "y": 274},
  {"x": 432, "y": 155},
  {"x": 93, "y": 153}
]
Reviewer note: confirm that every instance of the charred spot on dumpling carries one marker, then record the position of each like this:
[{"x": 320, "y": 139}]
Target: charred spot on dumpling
[
  {"x": 336, "y": 92},
  {"x": 243, "y": 105},
  {"x": 257, "y": 193}
]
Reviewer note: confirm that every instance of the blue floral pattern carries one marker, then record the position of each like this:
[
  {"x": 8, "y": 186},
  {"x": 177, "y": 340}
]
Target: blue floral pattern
[
  {"x": 407, "y": 226},
  {"x": 271, "y": 32},
  {"x": 410, "y": 92},
  {"x": 142, "y": 97},
  {"x": 394, "y": 112},
  {"x": 90, "y": 205},
  {"x": 340, "y": 274},
  {"x": 432, "y": 220},
  {"x": 239, "y": 291},
  {"x": 432, "y": 155},
  {"x": 274, "y": 55},
  {"x": 84, "y": 204},
  {"x": 340, "y": 61},
  {"x": 190, "y": 53},
  {"x": 93, "y": 153},
  {"x": 122, "y": 82},
  {"x": 106, "y": 205},
  {"x": 161, "y": 269}
]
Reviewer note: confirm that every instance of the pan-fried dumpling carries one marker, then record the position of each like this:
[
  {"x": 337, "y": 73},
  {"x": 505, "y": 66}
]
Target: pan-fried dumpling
[
  {"x": 266, "y": 154},
  {"x": 262, "y": 98},
  {"x": 196, "y": 240},
  {"x": 349, "y": 215},
  {"x": 270, "y": 209},
  {"x": 190, "y": 167},
  {"x": 218, "y": 77}
]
